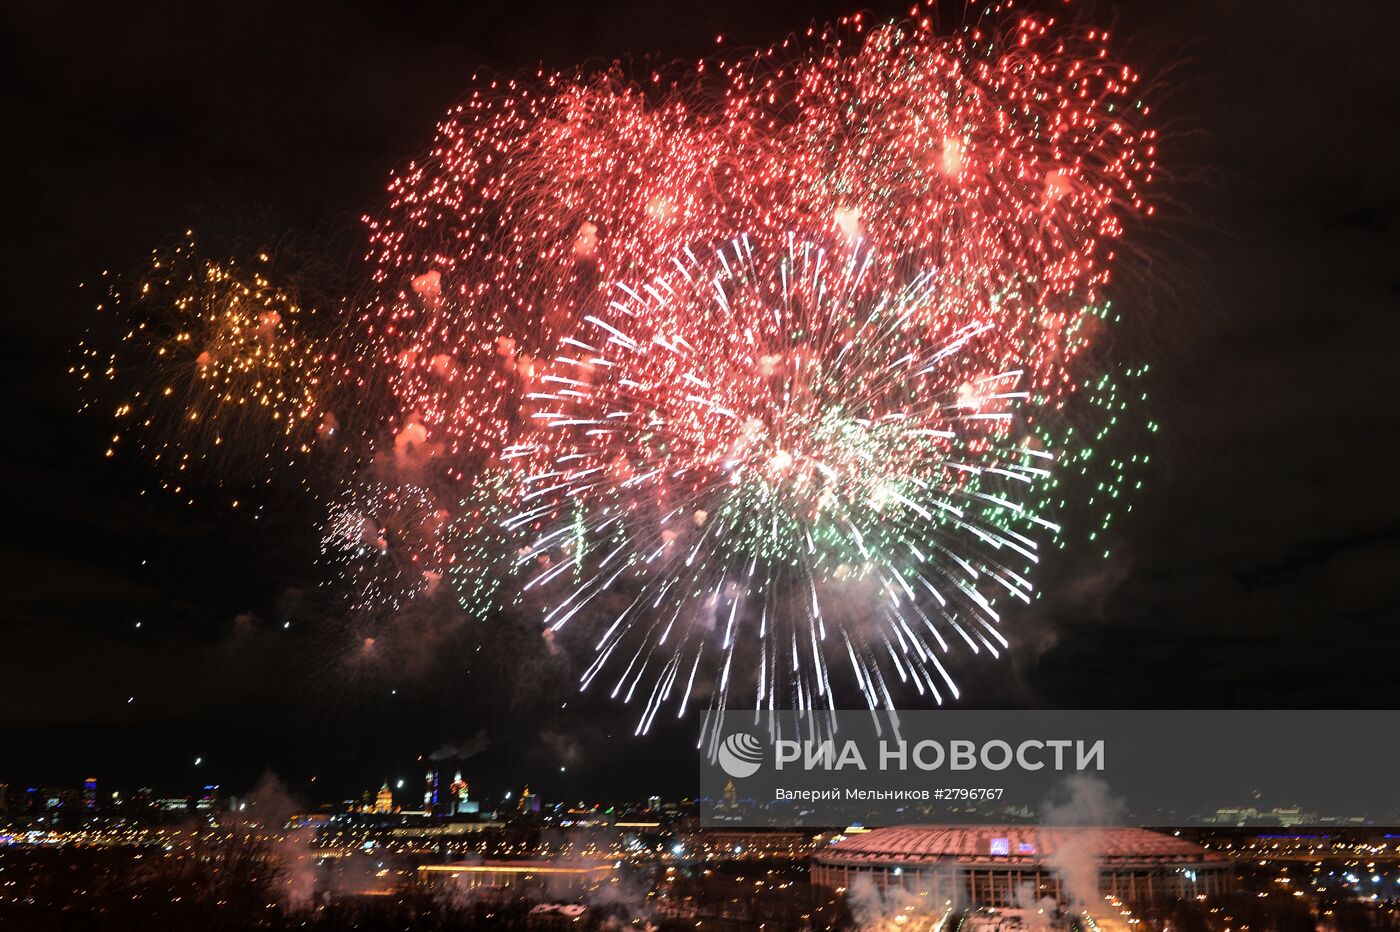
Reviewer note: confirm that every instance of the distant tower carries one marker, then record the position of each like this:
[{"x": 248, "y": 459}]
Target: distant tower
[
  {"x": 90, "y": 793},
  {"x": 458, "y": 791},
  {"x": 430, "y": 791},
  {"x": 384, "y": 801},
  {"x": 528, "y": 802},
  {"x": 731, "y": 795}
]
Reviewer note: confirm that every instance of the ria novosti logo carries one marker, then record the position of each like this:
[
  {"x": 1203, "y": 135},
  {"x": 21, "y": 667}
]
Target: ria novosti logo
[{"x": 740, "y": 755}]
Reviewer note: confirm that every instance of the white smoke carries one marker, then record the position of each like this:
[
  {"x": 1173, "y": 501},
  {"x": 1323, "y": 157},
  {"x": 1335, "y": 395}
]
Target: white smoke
[
  {"x": 1084, "y": 805},
  {"x": 267, "y": 810},
  {"x": 463, "y": 749},
  {"x": 880, "y": 909},
  {"x": 1040, "y": 910}
]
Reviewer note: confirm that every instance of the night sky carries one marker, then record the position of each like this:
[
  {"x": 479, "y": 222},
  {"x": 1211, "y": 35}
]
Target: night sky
[{"x": 1259, "y": 568}]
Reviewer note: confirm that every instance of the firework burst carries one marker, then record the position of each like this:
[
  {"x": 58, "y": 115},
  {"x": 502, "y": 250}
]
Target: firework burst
[
  {"x": 1002, "y": 157},
  {"x": 770, "y": 460},
  {"x": 215, "y": 369}
]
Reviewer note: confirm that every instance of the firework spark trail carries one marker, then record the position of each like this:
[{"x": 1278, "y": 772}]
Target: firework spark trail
[
  {"x": 751, "y": 452},
  {"x": 390, "y": 542}
]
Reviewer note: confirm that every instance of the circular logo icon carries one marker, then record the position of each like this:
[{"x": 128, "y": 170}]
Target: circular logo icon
[{"x": 740, "y": 755}]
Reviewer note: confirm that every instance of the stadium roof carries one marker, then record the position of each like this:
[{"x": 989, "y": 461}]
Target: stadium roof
[{"x": 1012, "y": 845}]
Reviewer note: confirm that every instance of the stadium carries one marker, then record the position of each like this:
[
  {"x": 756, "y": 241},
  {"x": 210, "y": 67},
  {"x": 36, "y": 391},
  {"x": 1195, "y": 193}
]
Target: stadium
[{"x": 1009, "y": 865}]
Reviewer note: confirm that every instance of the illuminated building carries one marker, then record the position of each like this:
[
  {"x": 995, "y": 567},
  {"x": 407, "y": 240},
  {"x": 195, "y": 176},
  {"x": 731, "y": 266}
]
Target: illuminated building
[
  {"x": 447, "y": 829},
  {"x": 1276, "y": 816},
  {"x": 210, "y": 800},
  {"x": 731, "y": 795},
  {"x": 528, "y": 802},
  {"x": 430, "y": 791},
  {"x": 46, "y": 798},
  {"x": 513, "y": 878},
  {"x": 458, "y": 795},
  {"x": 994, "y": 865},
  {"x": 384, "y": 801},
  {"x": 90, "y": 793},
  {"x": 1235, "y": 816},
  {"x": 714, "y": 845}
]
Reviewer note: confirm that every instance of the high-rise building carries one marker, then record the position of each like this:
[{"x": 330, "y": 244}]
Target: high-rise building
[
  {"x": 457, "y": 803},
  {"x": 528, "y": 802},
  {"x": 430, "y": 791},
  {"x": 384, "y": 801},
  {"x": 90, "y": 793},
  {"x": 46, "y": 798}
]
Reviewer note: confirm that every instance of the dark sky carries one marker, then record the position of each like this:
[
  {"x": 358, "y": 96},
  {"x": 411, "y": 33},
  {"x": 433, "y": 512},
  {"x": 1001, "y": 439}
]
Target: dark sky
[{"x": 1259, "y": 567}]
